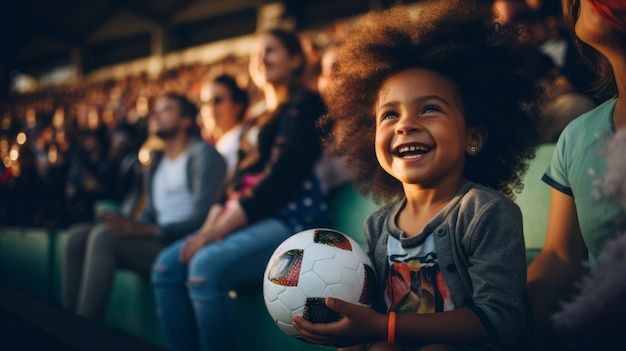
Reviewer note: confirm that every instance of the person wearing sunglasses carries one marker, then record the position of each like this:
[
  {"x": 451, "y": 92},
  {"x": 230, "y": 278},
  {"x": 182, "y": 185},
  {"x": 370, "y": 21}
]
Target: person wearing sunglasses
[{"x": 223, "y": 110}]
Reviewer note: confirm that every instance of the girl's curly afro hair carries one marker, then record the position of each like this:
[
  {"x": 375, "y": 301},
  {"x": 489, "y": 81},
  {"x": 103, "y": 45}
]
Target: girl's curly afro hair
[{"x": 457, "y": 39}]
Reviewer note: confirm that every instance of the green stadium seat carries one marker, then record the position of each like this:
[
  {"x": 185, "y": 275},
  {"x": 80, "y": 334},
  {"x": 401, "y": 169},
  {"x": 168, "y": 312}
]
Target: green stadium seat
[
  {"x": 534, "y": 202},
  {"x": 132, "y": 308},
  {"x": 30, "y": 260},
  {"x": 349, "y": 209},
  {"x": 25, "y": 260},
  {"x": 58, "y": 247}
]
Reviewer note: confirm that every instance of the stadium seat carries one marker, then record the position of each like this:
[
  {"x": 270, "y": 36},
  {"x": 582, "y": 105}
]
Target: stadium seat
[
  {"x": 534, "y": 202},
  {"x": 25, "y": 260},
  {"x": 30, "y": 260}
]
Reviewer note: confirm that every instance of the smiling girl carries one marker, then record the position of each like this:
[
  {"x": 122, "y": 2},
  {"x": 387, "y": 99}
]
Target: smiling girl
[{"x": 435, "y": 118}]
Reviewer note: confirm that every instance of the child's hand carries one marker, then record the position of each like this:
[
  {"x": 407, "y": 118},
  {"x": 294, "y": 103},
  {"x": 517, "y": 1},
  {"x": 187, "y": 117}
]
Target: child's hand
[{"x": 358, "y": 325}]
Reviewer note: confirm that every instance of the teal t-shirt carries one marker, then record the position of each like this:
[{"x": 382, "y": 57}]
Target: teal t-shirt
[{"x": 578, "y": 168}]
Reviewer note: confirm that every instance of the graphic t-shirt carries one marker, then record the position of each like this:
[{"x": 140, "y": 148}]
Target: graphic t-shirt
[{"x": 414, "y": 283}]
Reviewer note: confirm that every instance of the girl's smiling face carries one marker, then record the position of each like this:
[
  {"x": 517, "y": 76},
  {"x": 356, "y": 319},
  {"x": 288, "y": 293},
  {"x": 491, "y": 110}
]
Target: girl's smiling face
[{"x": 421, "y": 134}]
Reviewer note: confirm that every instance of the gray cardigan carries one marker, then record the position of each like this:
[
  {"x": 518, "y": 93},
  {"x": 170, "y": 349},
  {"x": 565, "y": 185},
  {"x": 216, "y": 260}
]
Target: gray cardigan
[
  {"x": 206, "y": 170},
  {"x": 480, "y": 246}
]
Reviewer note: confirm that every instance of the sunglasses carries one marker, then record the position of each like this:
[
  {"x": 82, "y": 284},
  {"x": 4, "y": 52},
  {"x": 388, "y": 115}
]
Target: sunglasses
[{"x": 215, "y": 100}]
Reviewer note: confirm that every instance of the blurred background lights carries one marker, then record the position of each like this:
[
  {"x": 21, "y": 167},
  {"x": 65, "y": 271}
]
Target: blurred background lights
[
  {"x": 21, "y": 138},
  {"x": 144, "y": 156},
  {"x": 14, "y": 155},
  {"x": 4, "y": 146},
  {"x": 59, "y": 117},
  {"x": 142, "y": 106},
  {"x": 53, "y": 155},
  {"x": 31, "y": 118},
  {"x": 6, "y": 123}
]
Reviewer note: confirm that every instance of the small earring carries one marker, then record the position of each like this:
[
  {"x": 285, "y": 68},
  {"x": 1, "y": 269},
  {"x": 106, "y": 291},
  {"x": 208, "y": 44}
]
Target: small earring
[{"x": 473, "y": 149}]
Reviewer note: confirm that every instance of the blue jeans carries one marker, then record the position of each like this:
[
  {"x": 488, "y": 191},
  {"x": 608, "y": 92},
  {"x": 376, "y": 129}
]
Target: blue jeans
[{"x": 192, "y": 300}]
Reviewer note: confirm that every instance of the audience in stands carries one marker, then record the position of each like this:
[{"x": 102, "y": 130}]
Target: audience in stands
[
  {"x": 55, "y": 118},
  {"x": 125, "y": 170},
  {"x": 88, "y": 179},
  {"x": 278, "y": 150},
  {"x": 49, "y": 181},
  {"x": 181, "y": 184}
]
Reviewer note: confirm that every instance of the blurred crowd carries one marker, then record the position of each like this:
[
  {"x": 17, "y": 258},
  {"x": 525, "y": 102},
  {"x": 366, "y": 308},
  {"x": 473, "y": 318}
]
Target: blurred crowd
[{"x": 67, "y": 148}]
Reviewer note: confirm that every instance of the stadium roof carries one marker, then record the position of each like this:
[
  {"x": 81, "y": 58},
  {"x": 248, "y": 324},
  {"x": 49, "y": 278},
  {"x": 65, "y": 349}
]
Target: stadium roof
[{"x": 37, "y": 35}]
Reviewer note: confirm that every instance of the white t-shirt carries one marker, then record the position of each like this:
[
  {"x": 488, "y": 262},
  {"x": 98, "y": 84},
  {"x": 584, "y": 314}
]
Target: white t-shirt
[
  {"x": 173, "y": 201},
  {"x": 228, "y": 145},
  {"x": 556, "y": 50}
]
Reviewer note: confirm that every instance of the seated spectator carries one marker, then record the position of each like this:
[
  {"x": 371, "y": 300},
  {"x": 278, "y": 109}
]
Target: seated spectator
[
  {"x": 550, "y": 36},
  {"x": 124, "y": 169},
  {"x": 562, "y": 102},
  {"x": 331, "y": 170},
  {"x": 180, "y": 185},
  {"x": 87, "y": 181},
  {"x": 223, "y": 111},
  {"x": 277, "y": 154}
]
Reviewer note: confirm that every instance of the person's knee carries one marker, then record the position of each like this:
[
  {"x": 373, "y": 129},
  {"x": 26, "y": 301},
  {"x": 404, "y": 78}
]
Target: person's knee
[
  {"x": 202, "y": 289},
  {"x": 77, "y": 238},
  {"x": 100, "y": 236},
  {"x": 168, "y": 269},
  {"x": 207, "y": 263},
  {"x": 207, "y": 274}
]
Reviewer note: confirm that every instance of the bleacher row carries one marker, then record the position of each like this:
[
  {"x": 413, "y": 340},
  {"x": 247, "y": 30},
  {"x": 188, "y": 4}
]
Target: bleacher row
[{"x": 30, "y": 260}]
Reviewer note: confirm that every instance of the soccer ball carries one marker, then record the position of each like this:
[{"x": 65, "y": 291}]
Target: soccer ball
[{"x": 310, "y": 266}]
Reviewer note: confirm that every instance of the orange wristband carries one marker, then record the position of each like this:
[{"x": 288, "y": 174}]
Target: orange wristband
[{"x": 391, "y": 329}]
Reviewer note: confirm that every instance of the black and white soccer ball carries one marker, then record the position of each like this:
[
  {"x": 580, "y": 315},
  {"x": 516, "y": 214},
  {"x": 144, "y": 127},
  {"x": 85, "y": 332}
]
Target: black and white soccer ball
[{"x": 310, "y": 266}]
